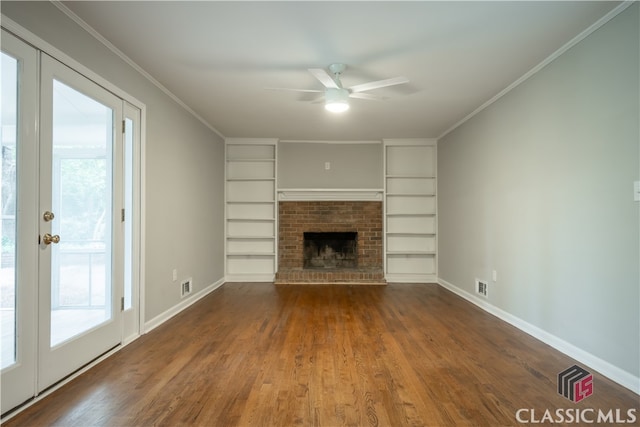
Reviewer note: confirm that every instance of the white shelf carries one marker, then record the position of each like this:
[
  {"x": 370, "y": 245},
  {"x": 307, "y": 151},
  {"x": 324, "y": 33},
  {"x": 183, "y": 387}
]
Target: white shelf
[
  {"x": 410, "y": 185},
  {"x": 250, "y": 254},
  {"x": 419, "y": 214},
  {"x": 251, "y": 219},
  {"x": 250, "y": 176},
  {"x": 408, "y": 176},
  {"x": 251, "y": 160},
  {"x": 410, "y": 210},
  {"x": 249, "y": 179},
  {"x": 250, "y": 202},
  {"x": 411, "y": 195},
  {"x": 251, "y": 237},
  {"x": 410, "y": 234},
  {"x": 426, "y": 253}
]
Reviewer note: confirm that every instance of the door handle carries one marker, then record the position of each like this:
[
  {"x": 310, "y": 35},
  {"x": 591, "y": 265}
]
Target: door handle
[
  {"x": 48, "y": 216},
  {"x": 48, "y": 239}
]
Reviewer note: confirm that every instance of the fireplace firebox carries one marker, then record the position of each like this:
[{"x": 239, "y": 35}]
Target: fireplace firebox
[{"x": 335, "y": 250}]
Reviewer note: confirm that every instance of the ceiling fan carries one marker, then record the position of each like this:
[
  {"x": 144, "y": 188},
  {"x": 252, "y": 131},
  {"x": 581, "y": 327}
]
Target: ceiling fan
[{"x": 336, "y": 96}]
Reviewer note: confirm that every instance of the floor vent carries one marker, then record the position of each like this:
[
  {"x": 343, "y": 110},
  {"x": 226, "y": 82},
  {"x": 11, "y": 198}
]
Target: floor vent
[
  {"x": 482, "y": 288},
  {"x": 185, "y": 288}
]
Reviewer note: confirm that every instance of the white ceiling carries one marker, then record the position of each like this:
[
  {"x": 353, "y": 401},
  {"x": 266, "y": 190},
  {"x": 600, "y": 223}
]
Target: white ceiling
[{"x": 218, "y": 57}]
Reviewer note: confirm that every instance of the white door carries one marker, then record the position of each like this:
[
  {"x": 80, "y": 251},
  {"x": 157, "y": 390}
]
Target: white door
[
  {"x": 18, "y": 225},
  {"x": 80, "y": 218}
]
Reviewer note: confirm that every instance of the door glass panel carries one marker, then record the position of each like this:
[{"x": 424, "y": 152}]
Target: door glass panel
[
  {"x": 81, "y": 291},
  {"x": 8, "y": 192}
]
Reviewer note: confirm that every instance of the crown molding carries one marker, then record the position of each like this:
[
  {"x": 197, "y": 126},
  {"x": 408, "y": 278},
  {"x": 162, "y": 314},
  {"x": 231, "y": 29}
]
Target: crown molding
[
  {"x": 95, "y": 34},
  {"x": 574, "y": 41}
]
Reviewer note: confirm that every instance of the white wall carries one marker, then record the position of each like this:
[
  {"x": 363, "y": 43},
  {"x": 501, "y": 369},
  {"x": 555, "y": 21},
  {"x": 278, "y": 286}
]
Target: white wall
[
  {"x": 184, "y": 164},
  {"x": 354, "y": 165},
  {"x": 539, "y": 187}
]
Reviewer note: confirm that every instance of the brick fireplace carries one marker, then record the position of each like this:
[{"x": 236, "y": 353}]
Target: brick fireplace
[{"x": 360, "y": 218}]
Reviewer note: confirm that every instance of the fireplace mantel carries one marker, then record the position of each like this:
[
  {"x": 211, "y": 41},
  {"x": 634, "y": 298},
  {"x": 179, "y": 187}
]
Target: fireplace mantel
[{"x": 329, "y": 194}]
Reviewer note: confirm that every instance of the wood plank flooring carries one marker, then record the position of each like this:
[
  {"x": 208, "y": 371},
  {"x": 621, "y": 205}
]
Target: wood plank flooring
[{"x": 266, "y": 355}]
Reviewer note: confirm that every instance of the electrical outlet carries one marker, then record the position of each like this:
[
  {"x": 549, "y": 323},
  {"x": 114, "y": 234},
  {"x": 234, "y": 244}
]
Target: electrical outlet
[
  {"x": 175, "y": 274},
  {"x": 495, "y": 275},
  {"x": 327, "y": 165}
]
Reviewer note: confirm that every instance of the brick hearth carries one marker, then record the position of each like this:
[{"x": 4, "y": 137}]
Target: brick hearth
[{"x": 363, "y": 217}]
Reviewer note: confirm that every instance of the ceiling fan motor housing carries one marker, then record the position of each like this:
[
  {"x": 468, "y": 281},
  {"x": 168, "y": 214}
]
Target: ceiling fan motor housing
[
  {"x": 336, "y": 99},
  {"x": 336, "y": 95}
]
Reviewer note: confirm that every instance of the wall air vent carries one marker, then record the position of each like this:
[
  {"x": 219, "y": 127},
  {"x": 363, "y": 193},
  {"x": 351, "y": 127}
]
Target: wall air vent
[
  {"x": 482, "y": 288},
  {"x": 185, "y": 287}
]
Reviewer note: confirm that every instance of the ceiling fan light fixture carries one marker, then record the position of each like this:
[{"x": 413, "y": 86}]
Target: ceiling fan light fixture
[{"x": 336, "y": 100}]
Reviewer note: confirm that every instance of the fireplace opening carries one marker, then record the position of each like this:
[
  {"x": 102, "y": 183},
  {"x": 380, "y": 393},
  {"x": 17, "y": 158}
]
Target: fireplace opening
[{"x": 330, "y": 250}]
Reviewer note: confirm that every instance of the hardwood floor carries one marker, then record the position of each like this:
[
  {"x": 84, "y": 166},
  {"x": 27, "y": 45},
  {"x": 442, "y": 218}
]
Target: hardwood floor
[{"x": 266, "y": 355}]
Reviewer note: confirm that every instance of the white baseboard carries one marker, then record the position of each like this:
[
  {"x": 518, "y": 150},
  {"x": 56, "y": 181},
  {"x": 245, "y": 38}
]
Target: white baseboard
[
  {"x": 184, "y": 304},
  {"x": 410, "y": 278},
  {"x": 250, "y": 277},
  {"x": 131, "y": 338},
  {"x": 610, "y": 371}
]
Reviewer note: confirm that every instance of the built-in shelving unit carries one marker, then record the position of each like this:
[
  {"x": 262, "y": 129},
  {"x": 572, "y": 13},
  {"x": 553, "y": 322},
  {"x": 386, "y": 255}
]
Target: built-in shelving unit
[
  {"x": 410, "y": 210},
  {"x": 251, "y": 209}
]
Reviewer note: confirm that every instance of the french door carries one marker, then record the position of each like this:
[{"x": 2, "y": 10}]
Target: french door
[
  {"x": 81, "y": 229},
  {"x": 67, "y": 250}
]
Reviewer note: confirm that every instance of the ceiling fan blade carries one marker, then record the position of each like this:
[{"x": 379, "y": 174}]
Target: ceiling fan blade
[
  {"x": 378, "y": 84},
  {"x": 367, "y": 96},
  {"x": 294, "y": 90},
  {"x": 324, "y": 78}
]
